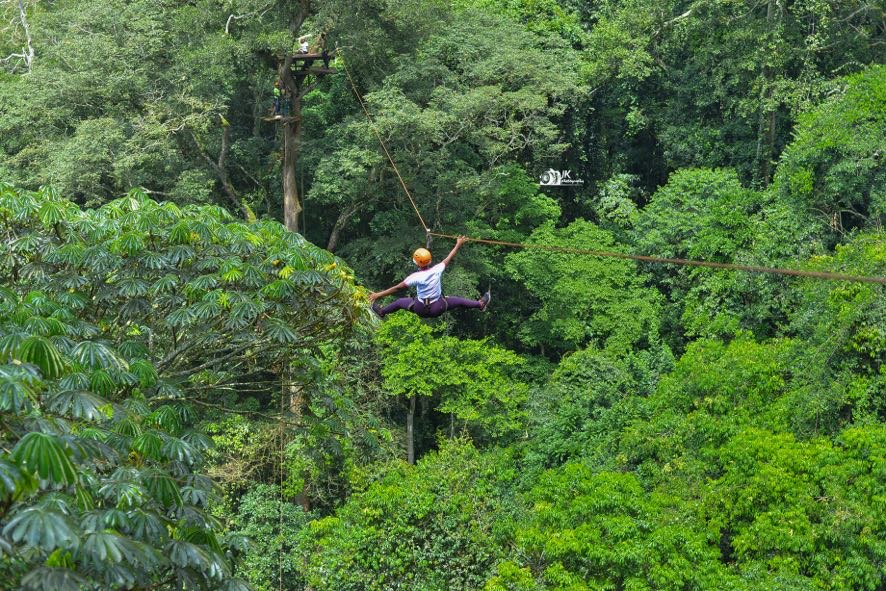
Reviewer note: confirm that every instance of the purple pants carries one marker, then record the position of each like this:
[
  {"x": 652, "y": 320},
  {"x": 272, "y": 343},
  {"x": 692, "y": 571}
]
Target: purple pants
[{"x": 433, "y": 310}]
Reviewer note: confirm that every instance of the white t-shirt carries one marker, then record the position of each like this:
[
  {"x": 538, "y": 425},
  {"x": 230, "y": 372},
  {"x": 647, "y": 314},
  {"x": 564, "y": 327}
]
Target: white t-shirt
[{"x": 427, "y": 282}]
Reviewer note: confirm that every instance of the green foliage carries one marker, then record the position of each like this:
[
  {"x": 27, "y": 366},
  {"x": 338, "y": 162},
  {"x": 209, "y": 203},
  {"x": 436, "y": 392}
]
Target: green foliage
[
  {"x": 840, "y": 375},
  {"x": 589, "y": 399},
  {"x": 588, "y": 530},
  {"x": 474, "y": 381},
  {"x": 833, "y": 169},
  {"x": 44, "y": 455},
  {"x": 465, "y": 119},
  {"x": 707, "y": 215},
  {"x": 539, "y": 16},
  {"x": 583, "y": 299},
  {"x": 714, "y": 390},
  {"x": 792, "y": 510},
  {"x": 81, "y": 482},
  {"x": 427, "y": 527},
  {"x": 134, "y": 334},
  {"x": 104, "y": 464},
  {"x": 269, "y": 524}
]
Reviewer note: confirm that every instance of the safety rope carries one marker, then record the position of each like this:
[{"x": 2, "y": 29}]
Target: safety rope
[
  {"x": 600, "y": 253},
  {"x": 384, "y": 146},
  {"x": 675, "y": 261}
]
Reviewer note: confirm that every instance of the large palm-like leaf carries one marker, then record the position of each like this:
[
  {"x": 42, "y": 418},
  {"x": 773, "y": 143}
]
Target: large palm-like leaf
[
  {"x": 166, "y": 418},
  {"x": 101, "y": 381},
  {"x": 53, "y": 212},
  {"x": 41, "y": 352},
  {"x": 280, "y": 331},
  {"x": 38, "y": 325},
  {"x": 12, "y": 479},
  {"x": 10, "y": 342},
  {"x": 163, "y": 489},
  {"x": 148, "y": 526},
  {"x": 187, "y": 555},
  {"x": 149, "y": 444},
  {"x": 41, "y": 528},
  {"x": 146, "y": 372},
  {"x": 101, "y": 547},
  {"x": 132, "y": 286},
  {"x": 97, "y": 520},
  {"x": 98, "y": 355},
  {"x": 125, "y": 494},
  {"x": 53, "y": 579},
  {"x": 45, "y": 455},
  {"x": 165, "y": 284},
  {"x": 128, "y": 427},
  {"x": 17, "y": 389},
  {"x": 84, "y": 498},
  {"x": 195, "y": 496},
  {"x": 180, "y": 451},
  {"x": 80, "y": 404},
  {"x": 130, "y": 243}
]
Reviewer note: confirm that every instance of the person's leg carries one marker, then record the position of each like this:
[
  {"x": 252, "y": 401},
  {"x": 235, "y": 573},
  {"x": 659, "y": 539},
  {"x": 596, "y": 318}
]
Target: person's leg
[
  {"x": 398, "y": 304},
  {"x": 455, "y": 303}
]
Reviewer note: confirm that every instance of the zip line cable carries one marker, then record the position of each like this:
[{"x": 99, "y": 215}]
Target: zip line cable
[
  {"x": 383, "y": 145},
  {"x": 675, "y": 261},
  {"x": 602, "y": 253}
]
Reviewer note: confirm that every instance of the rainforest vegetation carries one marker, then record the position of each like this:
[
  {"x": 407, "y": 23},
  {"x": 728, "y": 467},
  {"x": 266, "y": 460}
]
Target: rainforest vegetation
[{"x": 195, "y": 394}]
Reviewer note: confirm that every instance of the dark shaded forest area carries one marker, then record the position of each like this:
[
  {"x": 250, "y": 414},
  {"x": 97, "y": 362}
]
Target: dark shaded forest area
[{"x": 195, "y": 393}]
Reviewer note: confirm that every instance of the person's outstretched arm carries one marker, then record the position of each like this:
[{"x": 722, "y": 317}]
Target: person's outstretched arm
[
  {"x": 458, "y": 242},
  {"x": 387, "y": 292}
]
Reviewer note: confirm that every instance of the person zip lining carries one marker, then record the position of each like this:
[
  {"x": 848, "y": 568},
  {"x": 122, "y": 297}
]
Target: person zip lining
[{"x": 429, "y": 301}]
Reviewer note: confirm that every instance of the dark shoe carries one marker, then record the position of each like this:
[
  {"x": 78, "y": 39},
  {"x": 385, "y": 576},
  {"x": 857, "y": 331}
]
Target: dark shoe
[
  {"x": 485, "y": 299},
  {"x": 376, "y": 307}
]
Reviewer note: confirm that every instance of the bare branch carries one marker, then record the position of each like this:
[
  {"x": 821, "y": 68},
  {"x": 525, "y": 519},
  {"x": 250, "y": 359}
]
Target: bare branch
[
  {"x": 236, "y": 17},
  {"x": 23, "y": 18},
  {"x": 27, "y": 53}
]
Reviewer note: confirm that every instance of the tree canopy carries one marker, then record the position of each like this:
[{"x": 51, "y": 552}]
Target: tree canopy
[{"x": 196, "y": 394}]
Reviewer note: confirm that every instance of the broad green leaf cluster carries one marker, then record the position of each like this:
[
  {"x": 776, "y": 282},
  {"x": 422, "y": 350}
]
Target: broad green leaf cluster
[
  {"x": 188, "y": 401},
  {"x": 112, "y": 324}
]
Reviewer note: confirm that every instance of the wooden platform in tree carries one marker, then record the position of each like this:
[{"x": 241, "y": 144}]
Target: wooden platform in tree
[
  {"x": 308, "y": 56},
  {"x": 315, "y": 71},
  {"x": 279, "y": 119},
  {"x": 313, "y": 55}
]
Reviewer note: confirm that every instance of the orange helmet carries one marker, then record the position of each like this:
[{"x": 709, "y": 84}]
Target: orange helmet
[{"x": 422, "y": 257}]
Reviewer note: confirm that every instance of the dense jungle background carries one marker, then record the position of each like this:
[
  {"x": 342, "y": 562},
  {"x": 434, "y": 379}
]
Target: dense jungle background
[{"x": 193, "y": 397}]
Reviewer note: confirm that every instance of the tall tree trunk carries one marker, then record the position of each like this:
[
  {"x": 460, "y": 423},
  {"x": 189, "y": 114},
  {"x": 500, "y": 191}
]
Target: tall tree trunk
[
  {"x": 767, "y": 164},
  {"x": 291, "y": 138},
  {"x": 221, "y": 171},
  {"x": 339, "y": 225},
  {"x": 291, "y": 204},
  {"x": 410, "y": 431},
  {"x": 296, "y": 400}
]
